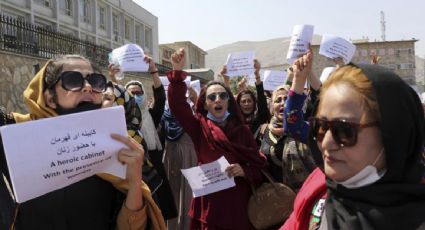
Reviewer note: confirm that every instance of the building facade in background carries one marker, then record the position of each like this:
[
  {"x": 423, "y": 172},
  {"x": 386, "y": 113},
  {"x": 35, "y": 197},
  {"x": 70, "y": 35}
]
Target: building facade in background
[
  {"x": 398, "y": 56},
  {"x": 195, "y": 56},
  {"x": 194, "y": 63},
  {"x": 110, "y": 23},
  {"x": 165, "y": 53}
]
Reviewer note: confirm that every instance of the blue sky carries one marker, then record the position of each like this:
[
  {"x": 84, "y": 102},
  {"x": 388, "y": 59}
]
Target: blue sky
[{"x": 212, "y": 23}]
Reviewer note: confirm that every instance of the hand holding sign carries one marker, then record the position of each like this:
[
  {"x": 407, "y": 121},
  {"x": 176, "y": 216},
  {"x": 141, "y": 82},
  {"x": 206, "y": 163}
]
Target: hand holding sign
[
  {"x": 336, "y": 47},
  {"x": 301, "y": 69},
  {"x": 240, "y": 64},
  {"x": 130, "y": 58},
  {"x": 211, "y": 177},
  {"x": 72, "y": 148},
  {"x": 132, "y": 156},
  {"x": 300, "y": 42}
]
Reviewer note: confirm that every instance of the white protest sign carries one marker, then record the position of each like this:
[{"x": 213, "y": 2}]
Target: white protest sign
[
  {"x": 165, "y": 83},
  {"x": 300, "y": 40},
  {"x": 196, "y": 85},
  {"x": 209, "y": 178},
  {"x": 326, "y": 73},
  {"x": 334, "y": 47},
  {"x": 56, "y": 152},
  {"x": 240, "y": 64},
  {"x": 130, "y": 58},
  {"x": 273, "y": 79},
  {"x": 250, "y": 79}
]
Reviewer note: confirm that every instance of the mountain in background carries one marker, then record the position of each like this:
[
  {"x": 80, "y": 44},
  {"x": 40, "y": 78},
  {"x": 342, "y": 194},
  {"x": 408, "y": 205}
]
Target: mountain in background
[
  {"x": 270, "y": 52},
  {"x": 273, "y": 53}
]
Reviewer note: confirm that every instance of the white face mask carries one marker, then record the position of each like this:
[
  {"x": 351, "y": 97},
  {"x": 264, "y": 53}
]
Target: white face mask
[{"x": 366, "y": 176}]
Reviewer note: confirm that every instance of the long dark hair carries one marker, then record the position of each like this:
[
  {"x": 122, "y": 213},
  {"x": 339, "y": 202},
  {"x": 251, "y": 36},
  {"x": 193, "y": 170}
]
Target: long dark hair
[
  {"x": 233, "y": 108},
  {"x": 250, "y": 93}
]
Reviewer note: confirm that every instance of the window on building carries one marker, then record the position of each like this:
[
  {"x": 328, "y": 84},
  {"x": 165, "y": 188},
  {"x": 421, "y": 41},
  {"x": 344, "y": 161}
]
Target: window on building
[
  {"x": 381, "y": 52},
  {"x": 392, "y": 67},
  {"x": 139, "y": 35},
  {"x": 43, "y": 24},
  {"x": 364, "y": 53},
  {"x": 405, "y": 66},
  {"x": 65, "y": 7},
  {"x": 167, "y": 63},
  {"x": 390, "y": 51},
  {"x": 46, "y": 3},
  {"x": 115, "y": 28},
  {"x": 127, "y": 29},
  {"x": 148, "y": 38},
  {"x": 102, "y": 12},
  {"x": 166, "y": 54},
  {"x": 85, "y": 11}
]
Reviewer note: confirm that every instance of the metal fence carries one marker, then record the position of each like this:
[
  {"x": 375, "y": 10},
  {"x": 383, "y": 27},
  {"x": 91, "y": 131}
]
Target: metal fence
[{"x": 24, "y": 38}]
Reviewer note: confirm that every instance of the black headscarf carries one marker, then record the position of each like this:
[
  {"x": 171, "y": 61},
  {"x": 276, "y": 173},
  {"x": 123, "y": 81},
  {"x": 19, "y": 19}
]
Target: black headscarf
[
  {"x": 397, "y": 200},
  {"x": 171, "y": 126}
]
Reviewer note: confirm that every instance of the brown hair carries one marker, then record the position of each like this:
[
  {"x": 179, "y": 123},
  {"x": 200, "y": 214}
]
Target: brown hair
[
  {"x": 355, "y": 79},
  {"x": 247, "y": 92}
]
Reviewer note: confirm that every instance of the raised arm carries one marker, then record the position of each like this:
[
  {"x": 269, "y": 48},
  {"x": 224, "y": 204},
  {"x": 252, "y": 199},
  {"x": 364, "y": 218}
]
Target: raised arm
[
  {"x": 263, "y": 111},
  {"x": 153, "y": 72},
  {"x": 177, "y": 97},
  {"x": 226, "y": 78},
  {"x": 293, "y": 114}
]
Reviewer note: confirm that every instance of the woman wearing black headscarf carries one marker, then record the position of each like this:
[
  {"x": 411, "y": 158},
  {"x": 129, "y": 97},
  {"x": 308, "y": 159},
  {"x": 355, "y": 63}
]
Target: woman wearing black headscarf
[{"x": 367, "y": 136}]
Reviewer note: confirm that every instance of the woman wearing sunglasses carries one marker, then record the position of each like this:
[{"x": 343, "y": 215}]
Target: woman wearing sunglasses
[
  {"x": 217, "y": 129},
  {"x": 367, "y": 137},
  {"x": 70, "y": 84}
]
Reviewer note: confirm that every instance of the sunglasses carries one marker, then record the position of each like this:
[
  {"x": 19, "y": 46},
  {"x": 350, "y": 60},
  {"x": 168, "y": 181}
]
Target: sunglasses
[
  {"x": 74, "y": 81},
  {"x": 137, "y": 93},
  {"x": 213, "y": 96},
  {"x": 343, "y": 132}
]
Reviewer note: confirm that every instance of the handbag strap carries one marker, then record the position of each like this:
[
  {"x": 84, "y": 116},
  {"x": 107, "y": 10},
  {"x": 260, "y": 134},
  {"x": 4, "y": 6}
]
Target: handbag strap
[{"x": 269, "y": 178}]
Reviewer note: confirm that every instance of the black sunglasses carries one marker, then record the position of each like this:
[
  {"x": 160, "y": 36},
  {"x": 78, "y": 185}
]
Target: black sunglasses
[
  {"x": 213, "y": 96},
  {"x": 138, "y": 93},
  {"x": 74, "y": 81},
  {"x": 343, "y": 132}
]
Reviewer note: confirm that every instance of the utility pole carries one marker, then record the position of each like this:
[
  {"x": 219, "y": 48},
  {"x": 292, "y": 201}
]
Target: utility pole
[{"x": 383, "y": 26}]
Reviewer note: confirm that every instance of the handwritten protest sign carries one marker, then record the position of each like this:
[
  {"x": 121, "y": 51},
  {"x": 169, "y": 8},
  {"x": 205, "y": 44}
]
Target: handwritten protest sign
[
  {"x": 209, "y": 178},
  {"x": 334, "y": 47},
  {"x": 273, "y": 79},
  {"x": 68, "y": 149},
  {"x": 326, "y": 73},
  {"x": 240, "y": 64},
  {"x": 130, "y": 58},
  {"x": 300, "y": 40}
]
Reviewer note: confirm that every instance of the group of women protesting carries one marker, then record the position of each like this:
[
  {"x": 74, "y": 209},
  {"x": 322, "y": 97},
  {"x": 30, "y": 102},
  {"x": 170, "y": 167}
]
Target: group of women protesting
[{"x": 351, "y": 149}]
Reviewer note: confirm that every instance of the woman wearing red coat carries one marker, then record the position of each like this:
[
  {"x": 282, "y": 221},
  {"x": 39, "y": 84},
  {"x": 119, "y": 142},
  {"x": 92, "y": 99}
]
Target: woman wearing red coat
[{"x": 217, "y": 129}]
